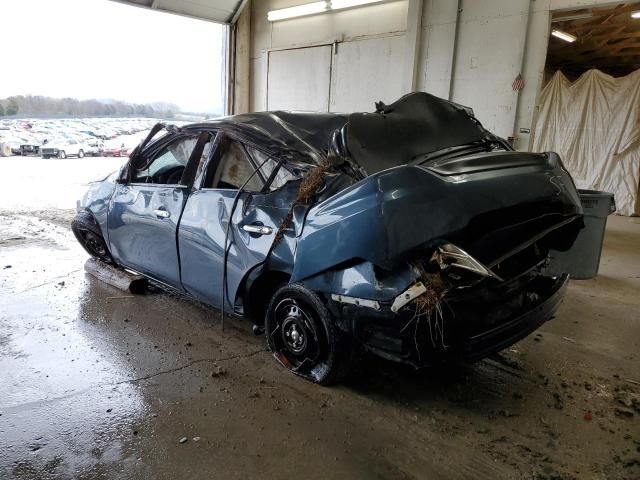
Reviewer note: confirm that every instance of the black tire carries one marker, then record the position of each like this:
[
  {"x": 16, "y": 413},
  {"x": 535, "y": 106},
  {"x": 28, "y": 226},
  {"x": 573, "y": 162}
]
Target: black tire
[
  {"x": 87, "y": 232},
  {"x": 303, "y": 337},
  {"x": 62, "y": 154},
  {"x": 80, "y": 153}
]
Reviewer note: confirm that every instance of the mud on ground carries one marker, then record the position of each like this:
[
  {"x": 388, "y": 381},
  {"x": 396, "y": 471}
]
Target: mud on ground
[{"x": 96, "y": 383}]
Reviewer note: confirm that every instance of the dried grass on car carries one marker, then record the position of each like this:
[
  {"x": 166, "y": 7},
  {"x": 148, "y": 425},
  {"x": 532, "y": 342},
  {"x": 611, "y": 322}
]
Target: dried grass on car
[
  {"x": 428, "y": 306},
  {"x": 308, "y": 189}
]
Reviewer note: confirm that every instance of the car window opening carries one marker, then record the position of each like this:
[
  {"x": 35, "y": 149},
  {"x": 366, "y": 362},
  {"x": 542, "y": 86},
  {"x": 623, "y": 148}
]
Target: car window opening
[
  {"x": 168, "y": 165},
  {"x": 272, "y": 171},
  {"x": 236, "y": 169}
]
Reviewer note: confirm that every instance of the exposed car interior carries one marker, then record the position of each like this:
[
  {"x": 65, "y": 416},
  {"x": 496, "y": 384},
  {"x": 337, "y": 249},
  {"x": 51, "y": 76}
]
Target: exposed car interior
[
  {"x": 234, "y": 169},
  {"x": 168, "y": 165}
]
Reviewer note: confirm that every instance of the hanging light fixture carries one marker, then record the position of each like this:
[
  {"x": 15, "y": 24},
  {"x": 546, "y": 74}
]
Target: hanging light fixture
[{"x": 567, "y": 37}]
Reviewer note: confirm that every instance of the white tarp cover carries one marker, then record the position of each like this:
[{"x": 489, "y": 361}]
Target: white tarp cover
[{"x": 594, "y": 124}]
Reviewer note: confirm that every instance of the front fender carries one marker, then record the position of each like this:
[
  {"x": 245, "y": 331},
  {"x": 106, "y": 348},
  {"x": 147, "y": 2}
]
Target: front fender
[{"x": 96, "y": 200}]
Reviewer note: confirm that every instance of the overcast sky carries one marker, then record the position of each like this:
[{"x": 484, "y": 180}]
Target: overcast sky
[{"x": 103, "y": 49}]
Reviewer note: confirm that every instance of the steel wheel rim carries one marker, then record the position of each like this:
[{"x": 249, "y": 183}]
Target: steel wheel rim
[
  {"x": 93, "y": 243},
  {"x": 296, "y": 338}
]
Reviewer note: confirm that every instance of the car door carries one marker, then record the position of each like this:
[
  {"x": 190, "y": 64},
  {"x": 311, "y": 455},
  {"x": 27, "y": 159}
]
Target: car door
[
  {"x": 146, "y": 207},
  {"x": 206, "y": 216},
  {"x": 71, "y": 148}
]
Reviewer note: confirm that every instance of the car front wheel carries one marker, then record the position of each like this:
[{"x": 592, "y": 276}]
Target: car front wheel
[
  {"x": 303, "y": 337},
  {"x": 80, "y": 154},
  {"x": 88, "y": 233},
  {"x": 62, "y": 154}
]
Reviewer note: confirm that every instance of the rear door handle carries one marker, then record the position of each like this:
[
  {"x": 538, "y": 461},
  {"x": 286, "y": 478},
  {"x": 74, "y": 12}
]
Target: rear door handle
[
  {"x": 161, "y": 213},
  {"x": 258, "y": 229}
]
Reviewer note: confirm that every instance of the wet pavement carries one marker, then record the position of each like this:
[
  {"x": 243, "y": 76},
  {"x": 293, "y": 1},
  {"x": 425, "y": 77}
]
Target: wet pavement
[{"x": 96, "y": 383}]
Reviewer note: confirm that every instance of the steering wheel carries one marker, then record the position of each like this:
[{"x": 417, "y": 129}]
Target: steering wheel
[{"x": 174, "y": 177}]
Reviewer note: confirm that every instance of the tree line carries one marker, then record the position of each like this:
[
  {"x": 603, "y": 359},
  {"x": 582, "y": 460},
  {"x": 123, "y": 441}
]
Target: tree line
[{"x": 39, "y": 105}]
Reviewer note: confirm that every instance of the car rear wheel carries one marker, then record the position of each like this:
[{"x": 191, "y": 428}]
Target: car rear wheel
[
  {"x": 62, "y": 154},
  {"x": 87, "y": 232},
  {"x": 303, "y": 338},
  {"x": 80, "y": 154}
]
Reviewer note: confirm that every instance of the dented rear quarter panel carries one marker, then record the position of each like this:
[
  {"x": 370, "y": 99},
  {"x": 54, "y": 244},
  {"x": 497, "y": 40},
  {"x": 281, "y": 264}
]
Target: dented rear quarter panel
[{"x": 387, "y": 216}]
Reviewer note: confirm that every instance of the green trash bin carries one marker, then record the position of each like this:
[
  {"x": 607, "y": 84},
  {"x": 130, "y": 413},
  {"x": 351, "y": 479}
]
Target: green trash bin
[{"x": 582, "y": 260}]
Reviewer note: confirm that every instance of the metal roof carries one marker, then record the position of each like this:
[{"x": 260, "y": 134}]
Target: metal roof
[{"x": 219, "y": 11}]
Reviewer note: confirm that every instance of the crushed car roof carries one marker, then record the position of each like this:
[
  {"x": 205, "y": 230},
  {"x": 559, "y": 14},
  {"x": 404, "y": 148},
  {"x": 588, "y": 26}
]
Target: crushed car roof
[
  {"x": 416, "y": 124},
  {"x": 306, "y": 132}
]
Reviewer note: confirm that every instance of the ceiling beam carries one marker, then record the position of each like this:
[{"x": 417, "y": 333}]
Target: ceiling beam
[
  {"x": 608, "y": 39},
  {"x": 619, "y": 10},
  {"x": 579, "y": 28}
]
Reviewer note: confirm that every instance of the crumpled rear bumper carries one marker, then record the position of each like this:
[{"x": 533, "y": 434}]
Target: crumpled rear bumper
[
  {"x": 476, "y": 324},
  {"x": 483, "y": 344}
]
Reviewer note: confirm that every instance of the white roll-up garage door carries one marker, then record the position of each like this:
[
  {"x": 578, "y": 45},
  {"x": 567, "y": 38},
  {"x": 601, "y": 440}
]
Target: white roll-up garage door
[
  {"x": 365, "y": 71},
  {"x": 347, "y": 77},
  {"x": 298, "y": 79}
]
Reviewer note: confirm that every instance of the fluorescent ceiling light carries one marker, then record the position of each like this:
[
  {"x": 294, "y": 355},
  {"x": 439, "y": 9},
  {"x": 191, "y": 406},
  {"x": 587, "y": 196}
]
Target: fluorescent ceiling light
[
  {"x": 339, "y": 4},
  {"x": 567, "y": 37},
  {"x": 299, "y": 11},
  {"x": 315, "y": 7},
  {"x": 635, "y": 14}
]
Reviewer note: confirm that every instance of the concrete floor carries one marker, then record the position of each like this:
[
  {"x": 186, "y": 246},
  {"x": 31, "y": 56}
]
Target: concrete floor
[{"x": 98, "y": 384}]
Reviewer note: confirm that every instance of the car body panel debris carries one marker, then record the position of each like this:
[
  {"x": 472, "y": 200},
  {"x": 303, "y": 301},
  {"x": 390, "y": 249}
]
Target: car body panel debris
[{"x": 116, "y": 277}]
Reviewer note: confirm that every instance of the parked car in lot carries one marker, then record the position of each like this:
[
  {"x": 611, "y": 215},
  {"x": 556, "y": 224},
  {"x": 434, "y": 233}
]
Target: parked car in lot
[
  {"x": 29, "y": 149},
  {"x": 95, "y": 148},
  {"x": 411, "y": 232},
  {"x": 30, "y": 145},
  {"x": 115, "y": 151},
  {"x": 63, "y": 148},
  {"x": 12, "y": 144}
]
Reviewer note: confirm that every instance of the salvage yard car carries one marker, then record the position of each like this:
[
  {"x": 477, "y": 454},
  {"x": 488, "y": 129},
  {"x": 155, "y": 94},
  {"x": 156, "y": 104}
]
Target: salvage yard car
[
  {"x": 63, "y": 148},
  {"x": 95, "y": 148},
  {"x": 115, "y": 151},
  {"x": 29, "y": 149},
  {"x": 411, "y": 232}
]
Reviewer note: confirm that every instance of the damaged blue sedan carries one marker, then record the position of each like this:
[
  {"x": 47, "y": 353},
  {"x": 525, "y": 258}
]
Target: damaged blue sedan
[{"x": 411, "y": 232}]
